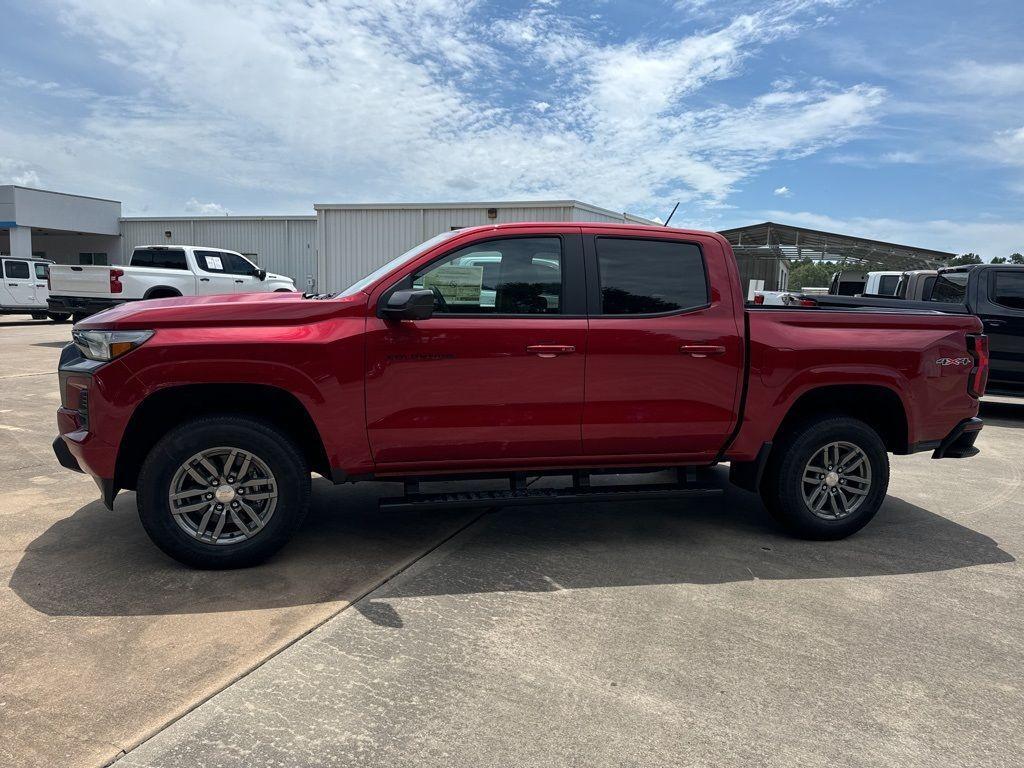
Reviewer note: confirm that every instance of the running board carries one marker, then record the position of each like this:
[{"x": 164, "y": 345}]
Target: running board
[{"x": 529, "y": 496}]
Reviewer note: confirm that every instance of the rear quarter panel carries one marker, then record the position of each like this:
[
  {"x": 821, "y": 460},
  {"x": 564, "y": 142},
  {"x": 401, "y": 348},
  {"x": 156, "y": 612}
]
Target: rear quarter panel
[{"x": 795, "y": 351}]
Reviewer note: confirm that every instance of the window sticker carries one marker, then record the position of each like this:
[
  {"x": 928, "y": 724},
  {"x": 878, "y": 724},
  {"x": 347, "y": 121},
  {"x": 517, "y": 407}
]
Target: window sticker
[
  {"x": 458, "y": 285},
  {"x": 214, "y": 262}
]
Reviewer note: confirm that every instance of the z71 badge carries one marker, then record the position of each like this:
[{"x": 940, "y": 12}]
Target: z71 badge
[{"x": 955, "y": 361}]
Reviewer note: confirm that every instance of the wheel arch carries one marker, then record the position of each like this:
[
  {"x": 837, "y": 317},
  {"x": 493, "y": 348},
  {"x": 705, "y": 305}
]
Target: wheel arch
[
  {"x": 161, "y": 292},
  {"x": 877, "y": 405},
  {"x": 168, "y": 407}
]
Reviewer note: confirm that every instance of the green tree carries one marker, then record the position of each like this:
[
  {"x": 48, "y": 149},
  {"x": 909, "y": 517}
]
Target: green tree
[
  {"x": 999, "y": 260},
  {"x": 1017, "y": 258},
  {"x": 966, "y": 258},
  {"x": 811, "y": 275}
]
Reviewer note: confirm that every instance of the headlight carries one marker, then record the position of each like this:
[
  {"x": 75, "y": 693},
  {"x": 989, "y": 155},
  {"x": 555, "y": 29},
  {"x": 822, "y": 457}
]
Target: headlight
[{"x": 107, "y": 345}]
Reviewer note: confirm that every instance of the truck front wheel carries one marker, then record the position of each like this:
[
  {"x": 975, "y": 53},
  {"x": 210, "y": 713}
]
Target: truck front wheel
[
  {"x": 223, "y": 492},
  {"x": 826, "y": 479}
]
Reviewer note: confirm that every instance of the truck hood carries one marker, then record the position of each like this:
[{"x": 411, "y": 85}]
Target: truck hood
[{"x": 223, "y": 310}]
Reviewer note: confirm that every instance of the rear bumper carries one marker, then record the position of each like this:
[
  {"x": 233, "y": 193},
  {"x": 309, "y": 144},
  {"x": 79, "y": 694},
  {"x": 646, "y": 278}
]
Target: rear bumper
[
  {"x": 80, "y": 305},
  {"x": 959, "y": 443}
]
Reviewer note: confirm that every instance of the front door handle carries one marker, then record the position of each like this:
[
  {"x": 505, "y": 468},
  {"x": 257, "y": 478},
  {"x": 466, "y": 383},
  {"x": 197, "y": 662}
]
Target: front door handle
[
  {"x": 995, "y": 323},
  {"x": 702, "y": 350},
  {"x": 239, "y": 281},
  {"x": 204, "y": 279},
  {"x": 550, "y": 350}
]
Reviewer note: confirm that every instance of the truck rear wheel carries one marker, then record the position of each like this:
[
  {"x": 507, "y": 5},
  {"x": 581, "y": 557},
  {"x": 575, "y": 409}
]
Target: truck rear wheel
[
  {"x": 826, "y": 479},
  {"x": 223, "y": 492}
]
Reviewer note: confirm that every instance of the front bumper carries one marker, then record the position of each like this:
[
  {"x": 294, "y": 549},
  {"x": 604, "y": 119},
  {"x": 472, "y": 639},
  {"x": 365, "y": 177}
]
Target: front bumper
[{"x": 959, "y": 443}]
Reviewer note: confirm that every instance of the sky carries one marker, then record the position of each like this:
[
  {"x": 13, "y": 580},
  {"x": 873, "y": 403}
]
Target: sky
[{"x": 901, "y": 120}]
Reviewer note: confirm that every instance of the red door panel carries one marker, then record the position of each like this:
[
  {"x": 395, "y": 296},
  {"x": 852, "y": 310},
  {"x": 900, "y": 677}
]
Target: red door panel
[
  {"x": 474, "y": 389},
  {"x": 661, "y": 383}
]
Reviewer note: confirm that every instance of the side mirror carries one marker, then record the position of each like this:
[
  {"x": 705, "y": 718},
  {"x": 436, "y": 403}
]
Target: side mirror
[
  {"x": 409, "y": 304},
  {"x": 261, "y": 274}
]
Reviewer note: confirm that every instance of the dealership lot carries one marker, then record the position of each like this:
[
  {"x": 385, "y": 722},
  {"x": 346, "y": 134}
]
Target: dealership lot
[{"x": 629, "y": 634}]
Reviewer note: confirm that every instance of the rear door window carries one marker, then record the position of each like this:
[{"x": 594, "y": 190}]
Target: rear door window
[
  {"x": 211, "y": 261},
  {"x": 887, "y": 285},
  {"x": 642, "y": 277},
  {"x": 161, "y": 258},
  {"x": 950, "y": 287},
  {"x": 1008, "y": 289},
  {"x": 41, "y": 271}
]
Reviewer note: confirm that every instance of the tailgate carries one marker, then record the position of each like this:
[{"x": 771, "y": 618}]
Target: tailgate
[{"x": 68, "y": 280}]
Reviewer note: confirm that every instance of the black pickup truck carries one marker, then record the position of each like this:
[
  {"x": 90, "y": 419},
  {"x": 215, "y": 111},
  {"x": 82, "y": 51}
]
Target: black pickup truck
[{"x": 993, "y": 292}]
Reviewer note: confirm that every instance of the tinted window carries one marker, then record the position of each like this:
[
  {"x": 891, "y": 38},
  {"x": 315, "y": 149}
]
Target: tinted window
[
  {"x": 162, "y": 258},
  {"x": 648, "y": 276},
  {"x": 236, "y": 265},
  {"x": 40, "y": 271},
  {"x": 518, "y": 276},
  {"x": 929, "y": 285},
  {"x": 887, "y": 285},
  {"x": 1009, "y": 289},
  {"x": 16, "y": 270},
  {"x": 211, "y": 261},
  {"x": 951, "y": 287}
]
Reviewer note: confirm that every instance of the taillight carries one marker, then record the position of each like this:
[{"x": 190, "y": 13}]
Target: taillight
[
  {"x": 978, "y": 346},
  {"x": 115, "y": 280},
  {"x": 808, "y": 303},
  {"x": 759, "y": 298}
]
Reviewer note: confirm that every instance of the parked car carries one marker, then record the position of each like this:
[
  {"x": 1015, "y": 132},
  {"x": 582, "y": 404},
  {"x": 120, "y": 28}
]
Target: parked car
[
  {"x": 158, "y": 272},
  {"x": 23, "y": 290},
  {"x": 916, "y": 285},
  {"x": 215, "y": 410},
  {"x": 993, "y": 292}
]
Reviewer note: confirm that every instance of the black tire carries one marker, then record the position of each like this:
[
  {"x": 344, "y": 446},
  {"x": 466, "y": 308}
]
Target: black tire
[
  {"x": 273, "y": 448},
  {"x": 59, "y": 317},
  {"x": 40, "y": 316},
  {"x": 783, "y": 487},
  {"x": 79, "y": 316}
]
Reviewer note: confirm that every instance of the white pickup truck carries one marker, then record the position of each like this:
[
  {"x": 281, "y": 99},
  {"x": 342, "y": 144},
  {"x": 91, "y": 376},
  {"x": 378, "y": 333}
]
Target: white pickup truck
[{"x": 157, "y": 272}]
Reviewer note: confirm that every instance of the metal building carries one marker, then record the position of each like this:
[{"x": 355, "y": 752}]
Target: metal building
[
  {"x": 68, "y": 229},
  {"x": 766, "y": 251},
  {"x": 355, "y": 239},
  {"x": 282, "y": 244}
]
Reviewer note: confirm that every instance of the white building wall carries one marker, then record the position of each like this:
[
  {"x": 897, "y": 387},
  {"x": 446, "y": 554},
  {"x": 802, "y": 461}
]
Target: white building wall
[
  {"x": 353, "y": 240},
  {"x": 282, "y": 244}
]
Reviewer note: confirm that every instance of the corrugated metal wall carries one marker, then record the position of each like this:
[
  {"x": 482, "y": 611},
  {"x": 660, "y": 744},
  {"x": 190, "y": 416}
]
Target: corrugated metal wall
[
  {"x": 354, "y": 241},
  {"x": 283, "y": 245}
]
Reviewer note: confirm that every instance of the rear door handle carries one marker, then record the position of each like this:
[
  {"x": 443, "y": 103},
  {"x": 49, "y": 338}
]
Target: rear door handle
[
  {"x": 204, "y": 279},
  {"x": 702, "y": 350},
  {"x": 995, "y": 323},
  {"x": 550, "y": 350},
  {"x": 239, "y": 281}
]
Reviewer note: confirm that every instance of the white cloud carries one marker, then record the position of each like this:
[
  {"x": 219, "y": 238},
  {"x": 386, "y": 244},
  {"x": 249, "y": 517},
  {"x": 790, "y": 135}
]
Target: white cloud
[
  {"x": 782, "y": 192},
  {"x": 19, "y": 173},
  {"x": 396, "y": 100},
  {"x": 985, "y": 79},
  {"x": 1008, "y": 146},
  {"x": 985, "y": 236},
  {"x": 205, "y": 209}
]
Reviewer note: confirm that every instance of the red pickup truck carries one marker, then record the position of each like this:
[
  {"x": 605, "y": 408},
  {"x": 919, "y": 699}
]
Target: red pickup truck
[{"x": 509, "y": 351}]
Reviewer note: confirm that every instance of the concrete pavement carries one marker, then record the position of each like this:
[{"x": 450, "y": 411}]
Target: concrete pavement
[
  {"x": 667, "y": 635},
  {"x": 103, "y": 639}
]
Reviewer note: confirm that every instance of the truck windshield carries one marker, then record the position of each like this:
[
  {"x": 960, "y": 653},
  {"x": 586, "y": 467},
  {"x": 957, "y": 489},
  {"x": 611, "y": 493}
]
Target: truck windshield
[
  {"x": 412, "y": 253},
  {"x": 951, "y": 287}
]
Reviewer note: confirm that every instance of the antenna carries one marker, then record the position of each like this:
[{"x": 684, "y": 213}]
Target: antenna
[{"x": 671, "y": 214}]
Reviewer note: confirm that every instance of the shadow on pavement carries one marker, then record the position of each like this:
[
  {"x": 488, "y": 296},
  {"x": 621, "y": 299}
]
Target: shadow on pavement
[
  {"x": 101, "y": 563},
  {"x": 1002, "y": 414},
  {"x": 702, "y": 542}
]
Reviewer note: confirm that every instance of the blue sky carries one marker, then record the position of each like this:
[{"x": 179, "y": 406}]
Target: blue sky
[{"x": 897, "y": 120}]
